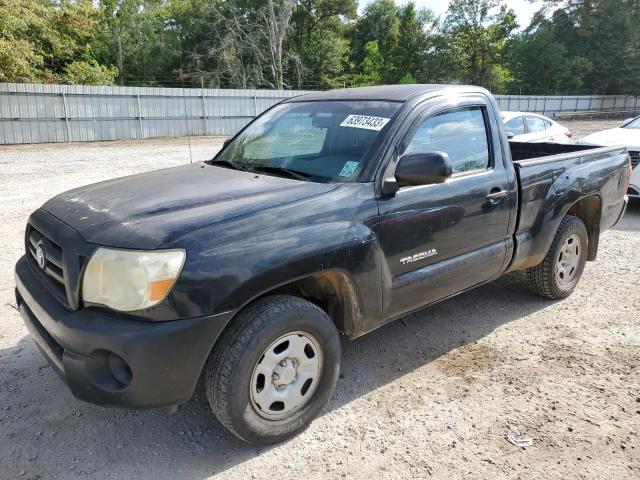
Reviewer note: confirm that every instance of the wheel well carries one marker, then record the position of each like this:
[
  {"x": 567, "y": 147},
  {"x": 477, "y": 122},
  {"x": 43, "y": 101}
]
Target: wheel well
[
  {"x": 589, "y": 210},
  {"x": 332, "y": 291}
]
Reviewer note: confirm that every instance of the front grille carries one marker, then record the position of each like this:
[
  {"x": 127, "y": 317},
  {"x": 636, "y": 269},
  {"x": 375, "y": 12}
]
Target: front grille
[
  {"x": 635, "y": 159},
  {"x": 50, "y": 269}
]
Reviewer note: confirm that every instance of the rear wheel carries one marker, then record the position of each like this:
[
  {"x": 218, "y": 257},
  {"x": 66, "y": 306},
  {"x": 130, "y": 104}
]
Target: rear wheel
[
  {"x": 558, "y": 274},
  {"x": 274, "y": 369}
]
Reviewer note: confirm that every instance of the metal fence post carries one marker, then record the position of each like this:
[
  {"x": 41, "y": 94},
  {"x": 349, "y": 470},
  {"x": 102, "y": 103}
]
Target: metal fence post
[
  {"x": 140, "y": 116},
  {"x": 204, "y": 113},
  {"x": 255, "y": 105},
  {"x": 66, "y": 116}
]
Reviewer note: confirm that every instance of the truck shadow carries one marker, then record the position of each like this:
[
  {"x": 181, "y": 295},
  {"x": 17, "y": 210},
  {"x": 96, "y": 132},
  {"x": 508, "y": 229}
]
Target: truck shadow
[{"x": 51, "y": 434}]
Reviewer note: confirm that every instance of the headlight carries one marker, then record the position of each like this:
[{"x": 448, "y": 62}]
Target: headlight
[{"x": 130, "y": 280}]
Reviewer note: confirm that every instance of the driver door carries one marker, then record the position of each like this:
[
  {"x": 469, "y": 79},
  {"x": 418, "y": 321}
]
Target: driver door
[{"x": 440, "y": 239}]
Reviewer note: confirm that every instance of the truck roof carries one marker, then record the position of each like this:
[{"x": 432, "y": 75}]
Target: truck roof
[{"x": 393, "y": 93}]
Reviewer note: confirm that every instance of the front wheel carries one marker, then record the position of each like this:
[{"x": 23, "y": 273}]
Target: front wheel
[
  {"x": 558, "y": 274},
  {"x": 274, "y": 369}
]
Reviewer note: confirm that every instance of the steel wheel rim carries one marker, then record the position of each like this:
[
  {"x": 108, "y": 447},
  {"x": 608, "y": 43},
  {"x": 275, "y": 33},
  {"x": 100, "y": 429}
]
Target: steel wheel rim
[
  {"x": 568, "y": 260},
  {"x": 286, "y": 375}
]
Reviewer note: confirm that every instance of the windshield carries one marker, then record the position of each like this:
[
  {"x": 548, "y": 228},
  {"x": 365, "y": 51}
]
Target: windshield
[
  {"x": 633, "y": 124},
  {"x": 323, "y": 141}
]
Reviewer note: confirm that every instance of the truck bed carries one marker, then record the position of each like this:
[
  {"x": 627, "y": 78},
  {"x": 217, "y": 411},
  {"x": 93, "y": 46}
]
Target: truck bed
[
  {"x": 528, "y": 151},
  {"x": 551, "y": 178}
]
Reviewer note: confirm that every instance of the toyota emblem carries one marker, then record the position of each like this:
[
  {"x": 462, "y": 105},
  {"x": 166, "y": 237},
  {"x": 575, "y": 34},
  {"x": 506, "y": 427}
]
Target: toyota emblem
[{"x": 40, "y": 258}]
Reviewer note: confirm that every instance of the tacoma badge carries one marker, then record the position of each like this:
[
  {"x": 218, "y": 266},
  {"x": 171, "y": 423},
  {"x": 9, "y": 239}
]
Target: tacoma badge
[{"x": 418, "y": 256}]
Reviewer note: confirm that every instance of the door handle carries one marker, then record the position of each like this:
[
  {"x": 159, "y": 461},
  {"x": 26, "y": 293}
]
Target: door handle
[{"x": 497, "y": 194}]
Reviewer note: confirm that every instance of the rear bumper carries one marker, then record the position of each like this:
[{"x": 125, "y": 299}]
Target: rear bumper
[{"x": 109, "y": 358}]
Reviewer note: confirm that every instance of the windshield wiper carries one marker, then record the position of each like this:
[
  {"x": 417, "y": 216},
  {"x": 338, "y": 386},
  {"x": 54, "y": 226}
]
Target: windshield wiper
[
  {"x": 228, "y": 163},
  {"x": 305, "y": 177}
]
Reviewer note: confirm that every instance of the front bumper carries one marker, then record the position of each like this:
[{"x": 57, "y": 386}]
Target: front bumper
[{"x": 109, "y": 358}]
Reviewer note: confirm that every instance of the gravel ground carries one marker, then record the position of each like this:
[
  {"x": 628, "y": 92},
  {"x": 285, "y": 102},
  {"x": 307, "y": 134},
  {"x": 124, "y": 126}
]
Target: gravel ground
[{"x": 432, "y": 396}]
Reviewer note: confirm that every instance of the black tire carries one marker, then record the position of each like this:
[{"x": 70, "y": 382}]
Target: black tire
[
  {"x": 543, "y": 279},
  {"x": 230, "y": 367}
]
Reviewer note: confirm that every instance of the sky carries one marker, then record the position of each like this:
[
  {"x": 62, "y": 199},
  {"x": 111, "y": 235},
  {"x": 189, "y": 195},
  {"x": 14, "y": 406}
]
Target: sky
[{"x": 524, "y": 10}]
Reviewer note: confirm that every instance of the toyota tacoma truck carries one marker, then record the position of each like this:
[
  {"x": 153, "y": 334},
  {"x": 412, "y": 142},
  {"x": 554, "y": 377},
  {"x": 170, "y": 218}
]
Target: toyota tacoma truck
[{"x": 330, "y": 213}]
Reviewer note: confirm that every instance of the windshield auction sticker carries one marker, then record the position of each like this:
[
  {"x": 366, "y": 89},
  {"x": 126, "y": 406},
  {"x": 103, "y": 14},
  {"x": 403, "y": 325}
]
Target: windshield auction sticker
[{"x": 364, "y": 121}]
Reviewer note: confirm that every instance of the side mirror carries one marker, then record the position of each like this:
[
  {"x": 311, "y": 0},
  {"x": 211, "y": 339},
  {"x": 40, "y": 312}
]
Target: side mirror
[
  {"x": 626, "y": 122},
  {"x": 419, "y": 169},
  {"x": 510, "y": 135}
]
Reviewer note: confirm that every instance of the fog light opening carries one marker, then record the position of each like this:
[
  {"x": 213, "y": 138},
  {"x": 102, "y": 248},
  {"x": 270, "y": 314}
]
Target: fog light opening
[
  {"x": 109, "y": 371},
  {"x": 119, "y": 369}
]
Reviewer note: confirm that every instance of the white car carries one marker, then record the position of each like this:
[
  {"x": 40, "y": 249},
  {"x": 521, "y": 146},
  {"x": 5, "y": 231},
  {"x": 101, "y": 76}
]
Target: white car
[
  {"x": 531, "y": 127},
  {"x": 627, "y": 134}
]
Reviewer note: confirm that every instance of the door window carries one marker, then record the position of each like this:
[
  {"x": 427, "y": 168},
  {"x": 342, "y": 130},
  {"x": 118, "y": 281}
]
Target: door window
[
  {"x": 515, "y": 126},
  {"x": 535, "y": 124},
  {"x": 461, "y": 134}
]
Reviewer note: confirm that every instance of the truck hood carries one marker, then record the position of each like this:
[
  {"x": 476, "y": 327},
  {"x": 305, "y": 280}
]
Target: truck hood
[
  {"x": 146, "y": 210},
  {"x": 628, "y": 137}
]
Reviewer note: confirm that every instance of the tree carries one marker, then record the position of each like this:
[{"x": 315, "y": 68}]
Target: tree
[
  {"x": 380, "y": 24},
  {"x": 133, "y": 35},
  {"x": 40, "y": 38},
  {"x": 411, "y": 45},
  {"x": 542, "y": 65},
  {"x": 89, "y": 72},
  {"x": 319, "y": 41},
  {"x": 417, "y": 37},
  {"x": 372, "y": 66},
  {"x": 601, "y": 39},
  {"x": 477, "y": 31}
]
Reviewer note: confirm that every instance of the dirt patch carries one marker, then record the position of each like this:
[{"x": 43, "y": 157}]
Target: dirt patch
[{"x": 434, "y": 396}]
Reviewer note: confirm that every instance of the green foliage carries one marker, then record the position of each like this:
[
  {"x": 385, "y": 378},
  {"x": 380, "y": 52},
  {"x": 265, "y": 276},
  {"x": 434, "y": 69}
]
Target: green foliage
[
  {"x": 411, "y": 47},
  {"x": 575, "y": 46},
  {"x": 380, "y": 24},
  {"x": 478, "y": 31},
  {"x": 89, "y": 72},
  {"x": 583, "y": 47},
  {"x": 407, "y": 78},
  {"x": 372, "y": 66},
  {"x": 555, "y": 72},
  {"x": 38, "y": 38}
]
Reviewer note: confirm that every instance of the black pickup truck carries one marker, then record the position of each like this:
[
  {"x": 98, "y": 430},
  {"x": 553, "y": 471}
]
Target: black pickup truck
[{"x": 331, "y": 213}]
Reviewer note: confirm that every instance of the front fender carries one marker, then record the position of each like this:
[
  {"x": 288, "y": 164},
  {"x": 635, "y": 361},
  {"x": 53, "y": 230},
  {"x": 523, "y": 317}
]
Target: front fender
[{"x": 230, "y": 264}]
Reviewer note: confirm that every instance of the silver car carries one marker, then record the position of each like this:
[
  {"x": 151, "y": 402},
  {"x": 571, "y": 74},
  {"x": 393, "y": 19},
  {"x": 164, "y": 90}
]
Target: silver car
[{"x": 531, "y": 127}]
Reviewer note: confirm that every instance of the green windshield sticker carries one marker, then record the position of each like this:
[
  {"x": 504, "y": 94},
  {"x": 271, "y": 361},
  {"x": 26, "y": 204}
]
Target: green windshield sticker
[{"x": 348, "y": 169}]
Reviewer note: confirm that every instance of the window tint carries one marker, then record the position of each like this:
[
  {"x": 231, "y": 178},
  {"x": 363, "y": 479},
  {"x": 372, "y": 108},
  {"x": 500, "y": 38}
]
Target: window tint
[
  {"x": 515, "y": 126},
  {"x": 535, "y": 124},
  {"x": 460, "y": 133},
  {"x": 296, "y": 134}
]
